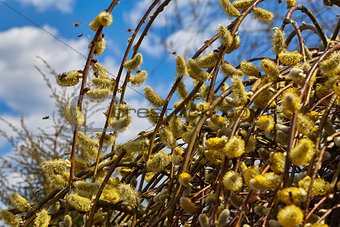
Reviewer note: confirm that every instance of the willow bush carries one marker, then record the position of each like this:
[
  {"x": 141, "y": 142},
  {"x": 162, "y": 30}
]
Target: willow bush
[{"x": 259, "y": 148}]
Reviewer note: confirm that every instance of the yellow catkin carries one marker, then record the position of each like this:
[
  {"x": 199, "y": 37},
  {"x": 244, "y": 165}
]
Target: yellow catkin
[
  {"x": 238, "y": 94},
  {"x": 234, "y": 148},
  {"x": 270, "y": 68},
  {"x": 208, "y": 61},
  {"x": 121, "y": 124},
  {"x": 105, "y": 18},
  {"x": 234, "y": 45},
  {"x": 167, "y": 137},
  {"x": 176, "y": 156},
  {"x": 181, "y": 66},
  {"x": 42, "y": 219},
  {"x": 111, "y": 192},
  {"x": 302, "y": 153},
  {"x": 225, "y": 36},
  {"x": 331, "y": 64},
  {"x": 79, "y": 203},
  {"x": 158, "y": 161},
  {"x": 235, "y": 114},
  {"x": 232, "y": 181},
  {"x": 103, "y": 83},
  {"x": 216, "y": 122},
  {"x": 99, "y": 70},
  {"x": 69, "y": 79},
  {"x": 228, "y": 8},
  {"x": 9, "y": 218},
  {"x": 87, "y": 141},
  {"x": 290, "y": 58},
  {"x": 182, "y": 91},
  {"x": 153, "y": 97},
  {"x": 187, "y": 205},
  {"x": 229, "y": 70},
  {"x": 249, "y": 68},
  {"x": 196, "y": 72},
  {"x": 108, "y": 138},
  {"x": 297, "y": 75},
  {"x": 134, "y": 63},
  {"x": 19, "y": 202},
  {"x": 236, "y": 200},
  {"x": 279, "y": 41},
  {"x": 290, "y": 102},
  {"x": 242, "y": 4},
  {"x": 251, "y": 144},
  {"x": 99, "y": 46},
  {"x": 216, "y": 143},
  {"x": 152, "y": 116},
  {"x": 184, "y": 179},
  {"x": 98, "y": 95},
  {"x": 265, "y": 122},
  {"x": 139, "y": 78},
  {"x": 129, "y": 196},
  {"x": 277, "y": 162},
  {"x": 267, "y": 181},
  {"x": 176, "y": 126},
  {"x": 214, "y": 156},
  {"x": 305, "y": 125},
  {"x": 73, "y": 115},
  {"x": 290, "y": 216},
  {"x": 263, "y": 15},
  {"x": 320, "y": 186},
  {"x": 94, "y": 24},
  {"x": 290, "y": 3},
  {"x": 292, "y": 195},
  {"x": 85, "y": 189}
]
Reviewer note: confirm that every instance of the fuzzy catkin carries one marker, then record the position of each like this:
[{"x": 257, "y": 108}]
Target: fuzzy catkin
[
  {"x": 153, "y": 97},
  {"x": 234, "y": 148},
  {"x": 292, "y": 195},
  {"x": 167, "y": 137},
  {"x": 19, "y": 202},
  {"x": 187, "y": 205},
  {"x": 181, "y": 66},
  {"x": 232, "y": 181},
  {"x": 331, "y": 64},
  {"x": 134, "y": 63},
  {"x": 99, "y": 70},
  {"x": 279, "y": 41},
  {"x": 263, "y": 15},
  {"x": 290, "y": 58},
  {"x": 290, "y": 216},
  {"x": 249, "y": 68},
  {"x": 208, "y": 61},
  {"x": 242, "y": 4},
  {"x": 228, "y": 8},
  {"x": 139, "y": 78},
  {"x": 129, "y": 196},
  {"x": 99, "y": 46},
  {"x": 105, "y": 18},
  {"x": 158, "y": 161},
  {"x": 225, "y": 36},
  {"x": 303, "y": 152},
  {"x": 69, "y": 79},
  {"x": 9, "y": 218},
  {"x": 42, "y": 219},
  {"x": 196, "y": 72},
  {"x": 182, "y": 91},
  {"x": 229, "y": 70},
  {"x": 270, "y": 68}
]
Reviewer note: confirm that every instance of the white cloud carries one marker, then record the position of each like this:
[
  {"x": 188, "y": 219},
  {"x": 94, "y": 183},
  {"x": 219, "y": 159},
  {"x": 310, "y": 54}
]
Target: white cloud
[
  {"x": 22, "y": 87},
  {"x": 64, "y": 6}
]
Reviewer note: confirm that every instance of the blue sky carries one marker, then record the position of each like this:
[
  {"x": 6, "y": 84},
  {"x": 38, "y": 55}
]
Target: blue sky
[{"x": 33, "y": 28}]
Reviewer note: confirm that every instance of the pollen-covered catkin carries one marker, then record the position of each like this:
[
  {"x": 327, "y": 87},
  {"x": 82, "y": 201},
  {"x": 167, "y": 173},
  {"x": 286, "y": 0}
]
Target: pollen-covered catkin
[
  {"x": 167, "y": 137},
  {"x": 134, "y": 63},
  {"x": 85, "y": 189},
  {"x": 68, "y": 79},
  {"x": 129, "y": 196},
  {"x": 184, "y": 179},
  {"x": 292, "y": 195},
  {"x": 238, "y": 94},
  {"x": 182, "y": 91},
  {"x": 225, "y": 36},
  {"x": 249, "y": 68},
  {"x": 267, "y": 181},
  {"x": 265, "y": 122},
  {"x": 270, "y": 68},
  {"x": 242, "y": 4},
  {"x": 216, "y": 143},
  {"x": 181, "y": 66},
  {"x": 9, "y": 218},
  {"x": 187, "y": 205},
  {"x": 290, "y": 102},
  {"x": 277, "y": 162},
  {"x": 196, "y": 72},
  {"x": 305, "y": 125},
  {"x": 232, "y": 181},
  {"x": 139, "y": 78},
  {"x": 158, "y": 161},
  {"x": 79, "y": 203},
  {"x": 320, "y": 186},
  {"x": 229, "y": 70},
  {"x": 279, "y": 41},
  {"x": 105, "y": 18},
  {"x": 98, "y": 95},
  {"x": 87, "y": 141},
  {"x": 153, "y": 97},
  {"x": 103, "y": 83},
  {"x": 42, "y": 219},
  {"x": 99, "y": 70},
  {"x": 228, "y": 8},
  {"x": 290, "y": 3},
  {"x": 290, "y": 58},
  {"x": 303, "y": 152},
  {"x": 121, "y": 124},
  {"x": 234, "y": 148},
  {"x": 73, "y": 115},
  {"x": 290, "y": 216},
  {"x": 331, "y": 65},
  {"x": 208, "y": 61},
  {"x": 19, "y": 202},
  {"x": 152, "y": 116},
  {"x": 99, "y": 46},
  {"x": 263, "y": 15}
]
